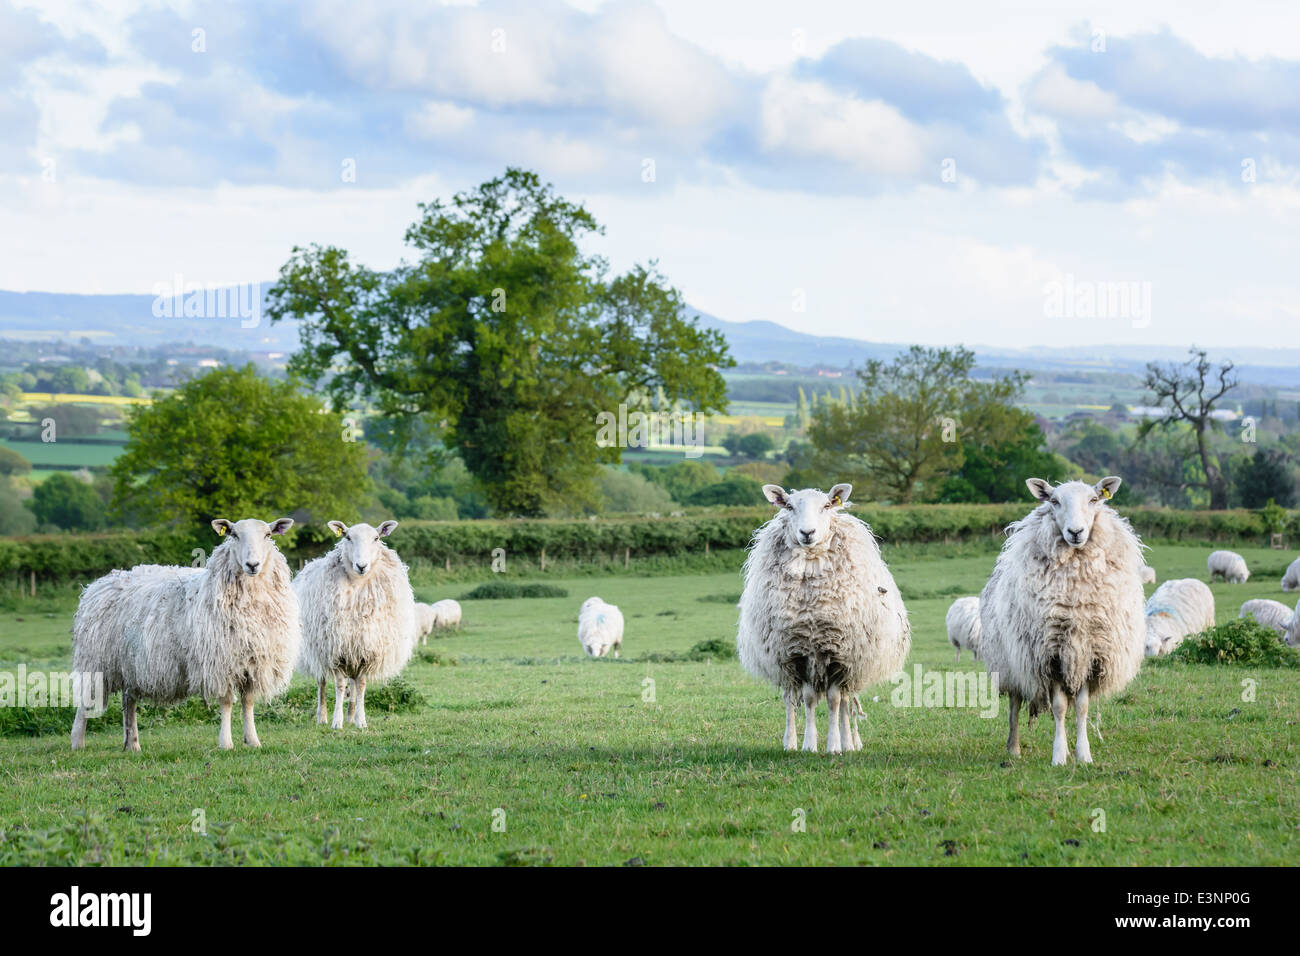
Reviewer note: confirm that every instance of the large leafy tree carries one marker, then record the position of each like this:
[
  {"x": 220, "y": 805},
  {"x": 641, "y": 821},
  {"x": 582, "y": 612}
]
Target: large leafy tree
[
  {"x": 912, "y": 423},
  {"x": 233, "y": 444},
  {"x": 67, "y": 502},
  {"x": 507, "y": 332}
]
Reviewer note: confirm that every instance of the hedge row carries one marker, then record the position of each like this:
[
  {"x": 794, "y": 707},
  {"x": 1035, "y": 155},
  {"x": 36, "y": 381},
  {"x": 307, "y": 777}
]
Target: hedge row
[{"x": 73, "y": 557}]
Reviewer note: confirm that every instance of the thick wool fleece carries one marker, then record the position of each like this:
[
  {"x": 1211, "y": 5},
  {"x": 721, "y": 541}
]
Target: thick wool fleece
[
  {"x": 825, "y": 616},
  {"x": 165, "y": 633},
  {"x": 356, "y": 626},
  {"x": 1054, "y": 613},
  {"x": 1179, "y": 607}
]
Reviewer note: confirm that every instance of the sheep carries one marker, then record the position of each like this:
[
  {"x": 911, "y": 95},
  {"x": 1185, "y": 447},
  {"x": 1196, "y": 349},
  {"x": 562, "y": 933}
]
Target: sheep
[
  {"x": 1292, "y": 636},
  {"x": 1179, "y": 607},
  {"x": 820, "y": 613},
  {"x": 1272, "y": 614},
  {"x": 1148, "y": 574},
  {"x": 358, "y": 618},
  {"x": 1291, "y": 580},
  {"x": 600, "y": 628},
  {"x": 1228, "y": 565},
  {"x": 1062, "y": 614},
  {"x": 162, "y": 633},
  {"x": 426, "y": 619},
  {"x": 430, "y": 617},
  {"x": 963, "y": 621}
]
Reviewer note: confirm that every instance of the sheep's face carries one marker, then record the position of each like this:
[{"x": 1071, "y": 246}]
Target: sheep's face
[
  {"x": 1153, "y": 638},
  {"x": 808, "y": 514},
  {"x": 1074, "y": 505},
  {"x": 589, "y": 603},
  {"x": 250, "y": 539},
  {"x": 360, "y": 544}
]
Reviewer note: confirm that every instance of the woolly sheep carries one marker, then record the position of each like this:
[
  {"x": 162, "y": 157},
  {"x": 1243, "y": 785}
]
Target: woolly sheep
[
  {"x": 1228, "y": 565},
  {"x": 820, "y": 613},
  {"x": 963, "y": 621},
  {"x": 163, "y": 633},
  {"x": 1273, "y": 614},
  {"x": 1291, "y": 580},
  {"x": 600, "y": 628},
  {"x": 1148, "y": 574},
  {"x": 425, "y": 620},
  {"x": 1179, "y": 607},
  {"x": 430, "y": 617},
  {"x": 1062, "y": 614},
  {"x": 358, "y": 618},
  {"x": 1292, "y": 635}
]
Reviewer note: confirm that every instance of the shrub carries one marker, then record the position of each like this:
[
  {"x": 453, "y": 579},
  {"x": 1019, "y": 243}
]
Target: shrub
[
  {"x": 498, "y": 590},
  {"x": 1239, "y": 641}
]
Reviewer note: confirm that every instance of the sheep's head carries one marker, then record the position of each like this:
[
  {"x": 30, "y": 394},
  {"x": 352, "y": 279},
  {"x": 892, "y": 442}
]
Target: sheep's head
[
  {"x": 1074, "y": 505},
  {"x": 1155, "y": 637},
  {"x": 590, "y": 602},
  {"x": 808, "y": 514},
  {"x": 360, "y": 544},
  {"x": 250, "y": 539}
]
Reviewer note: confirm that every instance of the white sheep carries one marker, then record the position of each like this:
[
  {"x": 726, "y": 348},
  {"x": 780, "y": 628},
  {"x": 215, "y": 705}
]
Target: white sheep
[
  {"x": 1228, "y": 565},
  {"x": 963, "y": 622},
  {"x": 600, "y": 628},
  {"x": 1178, "y": 608},
  {"x": 162, "y": 633},
  {"x": 430, "y": 617},
  {"x": 1291, "y": 580},
  {"x": 1148, "y": 574},
  {"x": 1062, "y": 614},
  {"x": 1292, "y": 635},
  {"x": 358, "y": 618},
  {"x": 820, "y": 613},
  {"x": 1271, "y": 614}
]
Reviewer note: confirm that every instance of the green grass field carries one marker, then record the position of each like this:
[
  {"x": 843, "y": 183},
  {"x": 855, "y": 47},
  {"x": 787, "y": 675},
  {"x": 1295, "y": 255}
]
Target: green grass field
[
  {"x": 64, "y": 453},
  {"x": 526, "y": 753}
]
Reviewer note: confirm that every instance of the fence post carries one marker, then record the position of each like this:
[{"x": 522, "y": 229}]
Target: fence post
[
  {"x": 706, "y": 547},
  {"x": 543, "y": 559},
  {"x": 33, "y": 584},
  {"x": 449, "y": 562},
  {"x": 627, "y": 557}
]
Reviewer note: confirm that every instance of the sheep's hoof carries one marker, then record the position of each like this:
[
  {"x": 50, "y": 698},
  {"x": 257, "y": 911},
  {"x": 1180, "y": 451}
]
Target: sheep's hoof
[
  {"x": 133, "y": 748},
  {"x": 252, "y": 743},
  {"x": 222, "y": 745}
]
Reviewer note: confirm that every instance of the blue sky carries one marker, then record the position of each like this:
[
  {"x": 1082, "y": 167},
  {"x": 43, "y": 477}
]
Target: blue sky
[{"x": 922, "y": 173}]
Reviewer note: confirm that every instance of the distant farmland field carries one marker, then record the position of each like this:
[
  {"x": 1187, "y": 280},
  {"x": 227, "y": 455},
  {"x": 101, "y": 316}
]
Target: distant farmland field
[{"x": 63, "y": 454}]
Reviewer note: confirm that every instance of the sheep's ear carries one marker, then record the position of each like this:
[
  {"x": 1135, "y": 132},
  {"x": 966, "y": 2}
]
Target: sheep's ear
[
  {"x": 840, "y": 494},
  {"x": 387, "y": 528},
  {"x": 281, "y": 525},
  {"x": 1109, "y": 485},
  {"x": 775, "y": 494},
  {"x": 221, "y": 525},
  {"x": 1039, "y": 488},
  {"x": 338, "y": 527}
]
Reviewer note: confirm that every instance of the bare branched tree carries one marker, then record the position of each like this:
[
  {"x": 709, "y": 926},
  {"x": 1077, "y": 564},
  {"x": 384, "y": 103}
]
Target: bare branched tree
[{"x": 1188, "y": 393}]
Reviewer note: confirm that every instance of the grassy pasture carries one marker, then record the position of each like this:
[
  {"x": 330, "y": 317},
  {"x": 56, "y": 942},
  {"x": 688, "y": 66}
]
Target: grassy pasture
[{"x": 575, "y": 766}]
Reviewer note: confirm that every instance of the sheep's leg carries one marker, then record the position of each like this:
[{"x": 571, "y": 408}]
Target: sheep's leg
[
  {"x": 250, "y": 729},
  {"x": 1081, "y": 749},
  {"x": 130, "y": 730},
  {"x": 791, "y": 739},
  {"x": 1060, "y": 703},
  {"x": 809, "y": 719},
  {"x": 359, "y": 713},
  {"x": 846, "y": 721},
  {"x": 833, "y": 719},
  {"x": 340, "y": 694},
  {"x": 857, "y": 714},
  {"x": 352, "y": 700},
  {"x": 79, "y": 729},
  {"x": 957, "y": 659},
  {"x": 224, "y": 740},
  {"x": 320, "y": 701},
  {"x": 1013, "y": 735}
]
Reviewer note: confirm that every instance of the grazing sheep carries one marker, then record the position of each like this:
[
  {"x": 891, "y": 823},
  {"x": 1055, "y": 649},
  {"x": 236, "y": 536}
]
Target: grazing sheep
[
  {"x": 358, "y": 618},
  {"x": 430, "y": 617},
  {"x": 1062, "y": 614},
  {"x": 1291, "y": 580},
  {"x": 426, "y": 619},
  {"x": 1272, "y": 614},
  {"x": 1292, "y": 636},
  {"x": 963, "y": 622},
  {"x": 163, "y": 633},
  {"x": 600, "y": 628},
  {"x": 820, "y": 613},
  {"x": 1228, "y": 565},
  {"x": 1179, "y": 607},
  {"x": 1148, "y": 574}
]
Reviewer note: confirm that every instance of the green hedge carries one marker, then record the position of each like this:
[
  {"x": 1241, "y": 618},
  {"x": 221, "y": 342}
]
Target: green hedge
[{"x": 73, "y": 557}]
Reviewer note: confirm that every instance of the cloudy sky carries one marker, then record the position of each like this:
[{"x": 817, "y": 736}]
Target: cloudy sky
[{"x": 930, "y": 172}]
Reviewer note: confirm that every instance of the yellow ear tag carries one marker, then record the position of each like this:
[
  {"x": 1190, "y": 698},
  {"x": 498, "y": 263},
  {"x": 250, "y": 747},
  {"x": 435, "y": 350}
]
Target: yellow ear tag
[
  {"x": 221, "y": 530},
  {"x": 337, "y": 532},
  {"x": 835, "y": 500},
  {"x": 1106, "y": 492}
]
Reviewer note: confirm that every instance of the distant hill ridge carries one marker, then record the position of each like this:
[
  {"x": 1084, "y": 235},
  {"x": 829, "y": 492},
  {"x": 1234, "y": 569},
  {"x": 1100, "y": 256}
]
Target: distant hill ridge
[{"x": 131, "y": 320}]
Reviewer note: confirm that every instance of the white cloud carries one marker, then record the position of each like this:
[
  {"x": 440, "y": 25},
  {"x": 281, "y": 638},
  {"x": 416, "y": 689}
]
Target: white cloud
[{"x": 437, "y": 119}]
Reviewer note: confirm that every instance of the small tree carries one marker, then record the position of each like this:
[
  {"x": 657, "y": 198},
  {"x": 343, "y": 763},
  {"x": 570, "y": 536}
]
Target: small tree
[
  {"x": 12, "y": 463},
  {"x": 68, "y": 503},
  {"x": 1189, "y": 392},
  {"x": 233, "y": 444},
  {"x": 756, "y": 445}
]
